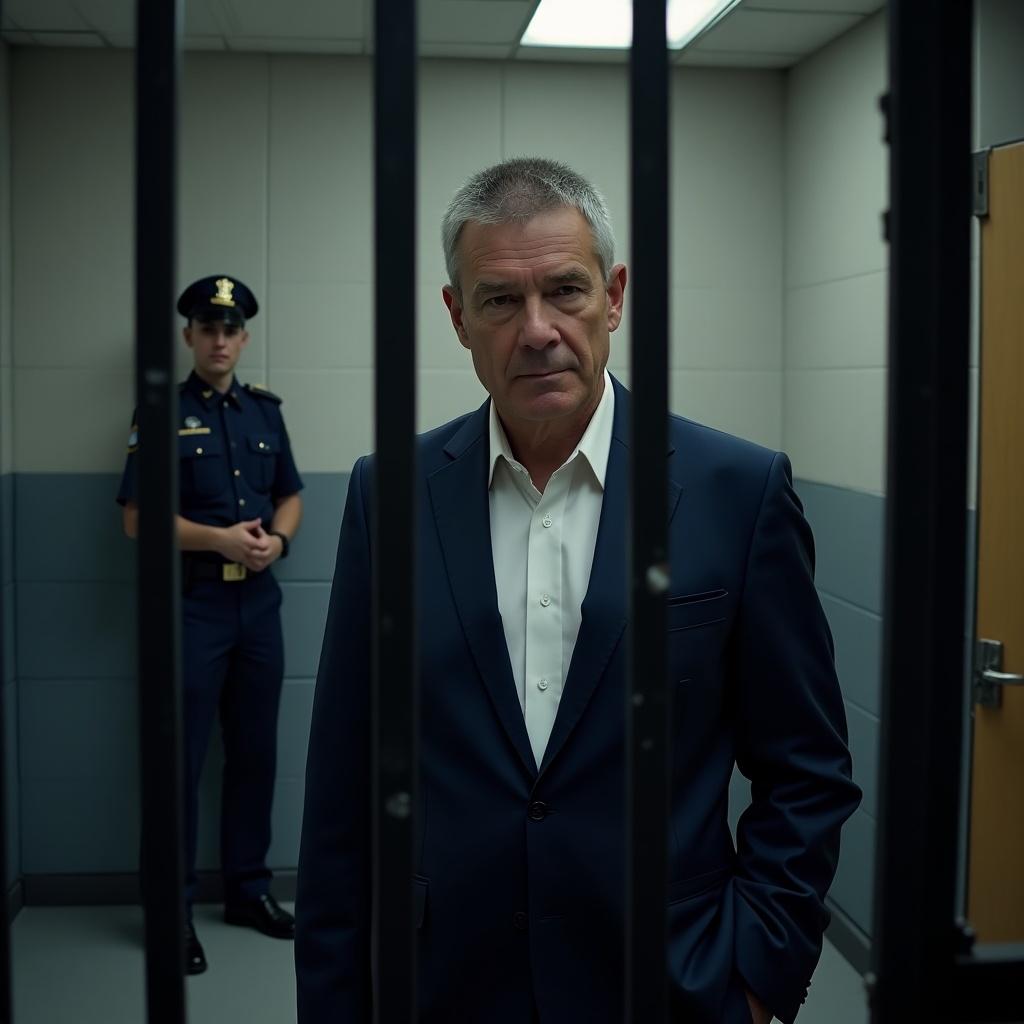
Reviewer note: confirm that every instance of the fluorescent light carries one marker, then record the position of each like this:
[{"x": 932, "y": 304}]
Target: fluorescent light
[{"x": 608, "y": 24}]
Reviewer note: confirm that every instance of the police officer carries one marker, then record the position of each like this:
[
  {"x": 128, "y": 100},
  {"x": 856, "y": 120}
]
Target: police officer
[{"x": 239, "y": 510}]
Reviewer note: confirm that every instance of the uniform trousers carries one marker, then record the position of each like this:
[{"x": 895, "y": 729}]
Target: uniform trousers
[{"x": 232, "y": 667}]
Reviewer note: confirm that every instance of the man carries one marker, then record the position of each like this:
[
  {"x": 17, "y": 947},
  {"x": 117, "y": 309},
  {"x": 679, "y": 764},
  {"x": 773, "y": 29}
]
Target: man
[
  {"x": 239, "y": 511},
  {"x": 523, "y": 659}
]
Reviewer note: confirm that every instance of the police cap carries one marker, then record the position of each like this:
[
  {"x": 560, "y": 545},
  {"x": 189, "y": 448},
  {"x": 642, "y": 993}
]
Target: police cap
[{"x": 218, "y": 297}]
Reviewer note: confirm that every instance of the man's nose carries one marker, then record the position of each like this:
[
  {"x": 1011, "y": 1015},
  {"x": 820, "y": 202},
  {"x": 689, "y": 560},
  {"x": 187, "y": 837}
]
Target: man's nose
[{"x": 537, "y": 329}]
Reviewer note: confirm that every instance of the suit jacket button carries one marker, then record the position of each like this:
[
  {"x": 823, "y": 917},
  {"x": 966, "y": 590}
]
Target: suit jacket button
[
  {"x": 520, "y": 921},
  {"x": 537, "y": 811}
]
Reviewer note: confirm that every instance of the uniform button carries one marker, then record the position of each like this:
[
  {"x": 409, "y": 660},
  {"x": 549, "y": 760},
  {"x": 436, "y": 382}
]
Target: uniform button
[
  {"x": 238, "y": 472},
  {"x": 546, "y": 522},
  {"x": 241, "y": 501},
  {"x": 262, "y": 445},
  {"x": 545, "y": 600},
  {"x": 542, "y": 684},
  {"x": 520, "y": 921},
  {"x": 199, "y": 451},
  {"x": 537, "y": 811}
]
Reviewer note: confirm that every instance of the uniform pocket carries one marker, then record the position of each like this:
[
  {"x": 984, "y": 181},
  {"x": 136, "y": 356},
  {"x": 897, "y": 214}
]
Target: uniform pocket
[
  {"x": 201, "y": 463},
  {"x": 260, "y": 460}
]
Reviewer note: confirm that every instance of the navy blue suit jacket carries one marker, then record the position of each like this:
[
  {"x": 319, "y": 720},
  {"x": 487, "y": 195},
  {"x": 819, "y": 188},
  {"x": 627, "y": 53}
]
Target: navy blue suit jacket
[{"x": 753, "y": 684}]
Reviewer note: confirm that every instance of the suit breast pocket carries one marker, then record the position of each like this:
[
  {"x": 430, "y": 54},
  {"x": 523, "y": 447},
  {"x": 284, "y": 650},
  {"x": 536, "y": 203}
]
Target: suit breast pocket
[{"x": 691, "y": 611}]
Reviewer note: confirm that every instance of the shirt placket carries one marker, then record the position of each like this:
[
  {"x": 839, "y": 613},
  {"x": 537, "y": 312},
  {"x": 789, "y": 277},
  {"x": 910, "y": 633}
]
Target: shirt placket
[
  {"x": 231, "y": 454},
  {"x": 544, "y": 607}
]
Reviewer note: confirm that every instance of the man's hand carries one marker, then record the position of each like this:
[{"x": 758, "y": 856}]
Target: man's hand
[
  {"x": 248, "y": 544},
  {"x": 758, "y": 1011}
]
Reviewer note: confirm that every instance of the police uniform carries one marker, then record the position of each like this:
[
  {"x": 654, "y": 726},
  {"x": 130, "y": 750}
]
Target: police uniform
[{"x": 234, "y": 461}]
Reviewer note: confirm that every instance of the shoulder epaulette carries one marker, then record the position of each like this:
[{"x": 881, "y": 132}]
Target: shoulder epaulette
[{"x": 262, "y": 392}]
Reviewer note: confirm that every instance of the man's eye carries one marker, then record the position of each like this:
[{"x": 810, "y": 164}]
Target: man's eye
[
  {"x": 499, "y": 301},
  {"x": 568, "y": 289}
]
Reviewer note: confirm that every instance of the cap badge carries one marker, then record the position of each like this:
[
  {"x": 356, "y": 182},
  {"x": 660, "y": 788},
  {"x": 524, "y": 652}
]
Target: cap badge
[
  {"x": 225, "y": 286},
  {"x": 192, "y": 422}
]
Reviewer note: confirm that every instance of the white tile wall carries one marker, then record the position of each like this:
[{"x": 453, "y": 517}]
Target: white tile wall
[
  {"x": 72, "y": 420},
  {"x": 276, "y": 187},
  {"x": 835, "y": 426},
  {"x": 835, "y": 296},
  {"x": 73, "y": 182},
  {"x": 836, "y": 162},
  {"x": 742, "y": 402}
]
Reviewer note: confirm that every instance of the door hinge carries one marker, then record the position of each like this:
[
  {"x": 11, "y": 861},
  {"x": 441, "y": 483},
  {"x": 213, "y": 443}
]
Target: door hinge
[
  {"x": 979, "y": 183},
  {"x": 989, "y": 677}
]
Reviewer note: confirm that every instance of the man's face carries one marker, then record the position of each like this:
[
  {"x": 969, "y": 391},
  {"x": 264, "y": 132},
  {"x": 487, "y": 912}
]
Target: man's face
[
  {"x": 215, "y": 345},
  {"x": 536, "y": 314}
]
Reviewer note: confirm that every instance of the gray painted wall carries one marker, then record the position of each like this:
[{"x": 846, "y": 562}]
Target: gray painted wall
[{"x": 75, "y": 634}]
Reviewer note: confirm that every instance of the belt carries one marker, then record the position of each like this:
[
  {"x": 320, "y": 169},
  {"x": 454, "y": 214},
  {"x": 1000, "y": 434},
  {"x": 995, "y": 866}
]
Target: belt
[{"x": 227, "y": 572}]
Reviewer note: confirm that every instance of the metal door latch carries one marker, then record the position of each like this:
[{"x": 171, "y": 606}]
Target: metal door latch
[{"x": 989, "y": 678}]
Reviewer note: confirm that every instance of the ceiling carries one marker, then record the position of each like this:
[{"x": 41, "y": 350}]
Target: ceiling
[{"x": 755, "y": 33}]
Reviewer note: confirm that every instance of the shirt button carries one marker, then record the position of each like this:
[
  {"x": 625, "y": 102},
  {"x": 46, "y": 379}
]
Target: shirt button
[
  {"x": 238, "y": 472},
  {"x": 545, "y": 600},
  {"x": 546, "y": 522},
  {"x": 542, "y": 684},
  {"x": 520, "y": 921},
  {"x": 537, "y": 811},
  {"x": 241, "y": 501}
]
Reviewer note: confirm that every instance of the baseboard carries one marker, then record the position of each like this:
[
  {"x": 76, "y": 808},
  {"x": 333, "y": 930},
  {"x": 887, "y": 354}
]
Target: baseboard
[
  {"x": 15, "y": 900},
  {"x": 112, "y": 889},
  {"x": 850, "y": 939}
]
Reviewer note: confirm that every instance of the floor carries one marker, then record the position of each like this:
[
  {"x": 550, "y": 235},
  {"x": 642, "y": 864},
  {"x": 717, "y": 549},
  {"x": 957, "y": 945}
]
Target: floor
[{"x": 83, "y": 965}]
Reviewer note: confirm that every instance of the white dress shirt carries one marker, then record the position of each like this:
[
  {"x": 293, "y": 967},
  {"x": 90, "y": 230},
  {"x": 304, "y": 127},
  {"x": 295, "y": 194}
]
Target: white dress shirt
[{"x": 543, "y": 551}]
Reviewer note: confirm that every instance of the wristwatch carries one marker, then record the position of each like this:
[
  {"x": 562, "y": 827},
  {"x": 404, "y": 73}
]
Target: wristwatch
[{"x": 284, "y": 541}]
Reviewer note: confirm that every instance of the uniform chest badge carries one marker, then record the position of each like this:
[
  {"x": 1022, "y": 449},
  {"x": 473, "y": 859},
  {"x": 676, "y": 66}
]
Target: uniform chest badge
[{"x": 192, "y": 422}]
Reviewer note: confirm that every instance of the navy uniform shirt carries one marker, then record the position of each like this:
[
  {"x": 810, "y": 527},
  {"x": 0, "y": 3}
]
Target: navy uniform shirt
[{"x": 233, "y": 455}]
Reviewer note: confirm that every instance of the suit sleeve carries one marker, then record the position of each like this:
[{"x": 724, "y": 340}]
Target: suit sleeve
[
  {"x": 332, "y": 940},
  {"x": 792, "y": 745}
]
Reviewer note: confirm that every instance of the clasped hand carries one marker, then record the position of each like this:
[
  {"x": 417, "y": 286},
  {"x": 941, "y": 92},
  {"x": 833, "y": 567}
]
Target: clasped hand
[{"x": 249, "y": 544}]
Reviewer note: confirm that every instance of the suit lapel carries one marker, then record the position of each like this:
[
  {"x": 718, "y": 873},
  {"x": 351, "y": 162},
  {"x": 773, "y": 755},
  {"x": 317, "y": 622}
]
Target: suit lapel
[
  {"x": 604, "y": 610},
  {"x": 459, "y": 497}
]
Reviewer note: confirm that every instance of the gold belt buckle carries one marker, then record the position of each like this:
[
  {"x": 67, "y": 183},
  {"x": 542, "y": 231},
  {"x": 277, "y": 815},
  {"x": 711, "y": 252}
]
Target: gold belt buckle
[{"x": 233, "y": 571}]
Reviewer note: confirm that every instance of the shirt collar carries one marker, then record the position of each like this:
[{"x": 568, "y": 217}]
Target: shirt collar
[
  {"x": 594, "y": 445},
  {"x": 206, "y": 394}
]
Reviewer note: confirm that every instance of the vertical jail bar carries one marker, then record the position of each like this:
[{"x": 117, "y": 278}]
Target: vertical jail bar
[
  {"x": 923, "y": 659},
  {"x": 6, "y": 999},
  {"x": 647, "y": 696},
  {"x": 395, "y": 688},
  {"x": 156, "y": 82}
]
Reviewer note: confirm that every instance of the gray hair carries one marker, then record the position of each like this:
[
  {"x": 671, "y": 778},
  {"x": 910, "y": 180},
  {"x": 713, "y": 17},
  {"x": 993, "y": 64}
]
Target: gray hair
[{"x": 516, "y": 190}]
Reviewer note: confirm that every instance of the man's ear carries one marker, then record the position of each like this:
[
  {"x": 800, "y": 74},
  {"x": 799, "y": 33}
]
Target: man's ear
[
  {"x": 616, "y": 290},
  {"x": 243, "y": 340},
  {"x": 186, "y": 333},
  {"x": 455, "y": 311}
]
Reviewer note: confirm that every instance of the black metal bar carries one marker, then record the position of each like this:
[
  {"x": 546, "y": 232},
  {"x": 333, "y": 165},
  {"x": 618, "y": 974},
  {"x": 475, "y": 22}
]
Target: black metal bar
[
  {"x": 159, "y": 631},
  {"x": 989, "y": 984},
  {"x": 647, "y": 696},
  {"x": 6, "y": 994},
  {"x": 395, "y": 690},
  {"x": 926, "y": 522}
]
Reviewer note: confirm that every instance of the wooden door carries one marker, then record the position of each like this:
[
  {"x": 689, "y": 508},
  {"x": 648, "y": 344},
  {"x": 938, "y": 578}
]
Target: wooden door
[{"x": 996, "y": 869}]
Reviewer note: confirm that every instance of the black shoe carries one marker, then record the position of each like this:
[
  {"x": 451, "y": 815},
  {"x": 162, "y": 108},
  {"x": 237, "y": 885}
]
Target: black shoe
[
  {"x": 195, "y": 958},
  {"x": 264, "y": 915}
]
